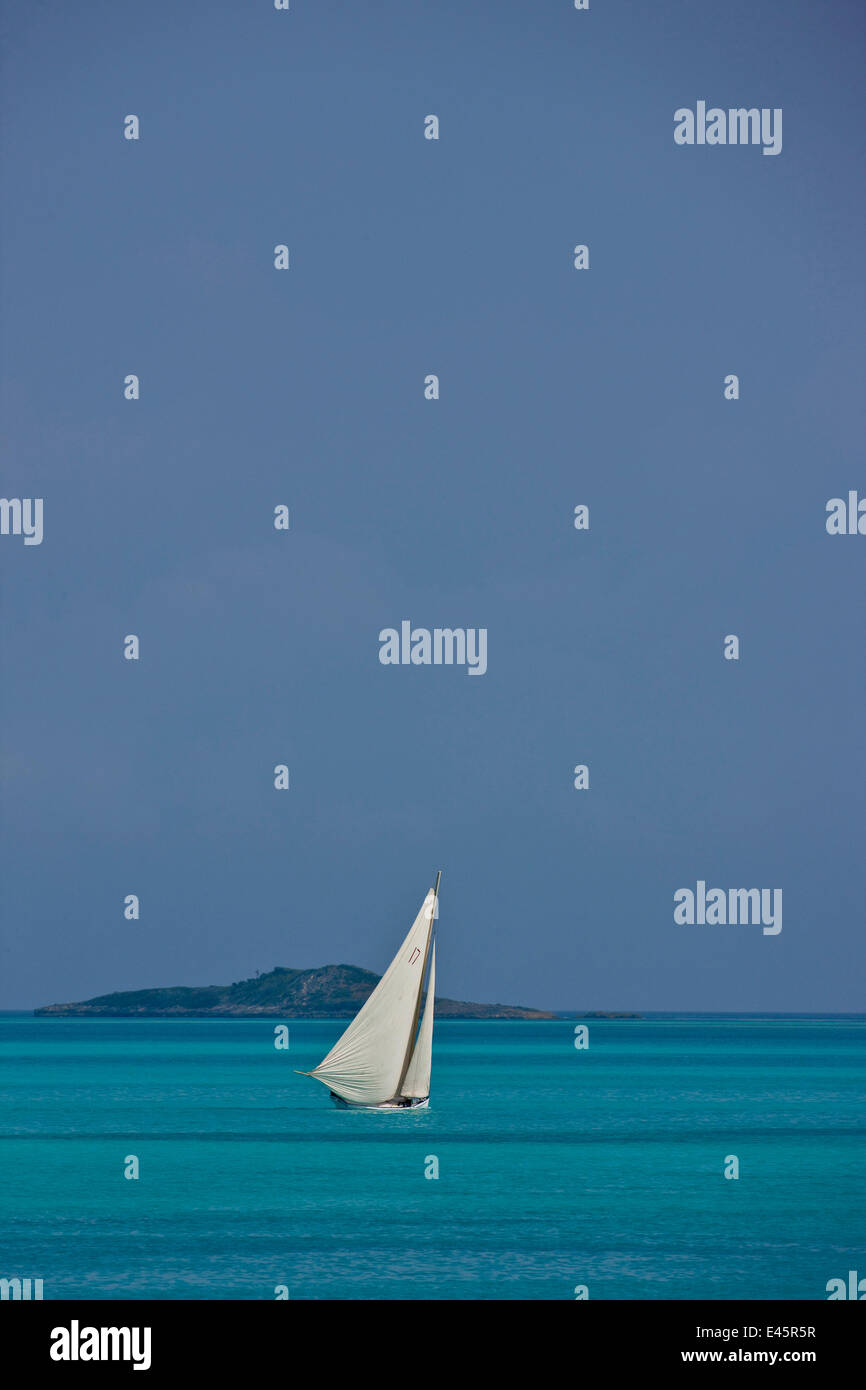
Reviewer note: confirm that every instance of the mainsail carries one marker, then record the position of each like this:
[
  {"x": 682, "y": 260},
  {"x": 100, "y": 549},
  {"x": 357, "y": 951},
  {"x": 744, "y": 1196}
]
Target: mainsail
[
  {"x": 368, "y": 1063},
  {"x": 417, "y": 1081}
]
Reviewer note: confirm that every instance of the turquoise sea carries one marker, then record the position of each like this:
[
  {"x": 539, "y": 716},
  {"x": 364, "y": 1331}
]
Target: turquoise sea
[{"x": 557, "y": 1167}]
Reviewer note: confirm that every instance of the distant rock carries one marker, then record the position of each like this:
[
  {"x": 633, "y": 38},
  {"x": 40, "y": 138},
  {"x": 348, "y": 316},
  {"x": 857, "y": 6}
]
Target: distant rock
[
  {"x": 332, "y": 991},
  {"x": 599, "y": 1014}
]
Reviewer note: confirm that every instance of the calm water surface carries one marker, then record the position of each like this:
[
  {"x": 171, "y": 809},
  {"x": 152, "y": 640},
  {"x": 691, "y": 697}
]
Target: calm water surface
[{"x": 557, "y": 1167}]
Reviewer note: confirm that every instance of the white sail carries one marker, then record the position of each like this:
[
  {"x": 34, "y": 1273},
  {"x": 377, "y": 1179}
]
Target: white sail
[
  {"x": 417, "y": 1081},
  {"x": 367, "y": 1063}
]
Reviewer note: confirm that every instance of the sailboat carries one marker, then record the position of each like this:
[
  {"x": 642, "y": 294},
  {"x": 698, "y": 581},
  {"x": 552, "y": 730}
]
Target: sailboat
[{"x": 382, "y": 1061}]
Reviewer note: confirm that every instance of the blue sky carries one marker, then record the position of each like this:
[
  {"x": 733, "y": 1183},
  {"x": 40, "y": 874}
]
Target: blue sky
[{"x": 305, "y": 387}]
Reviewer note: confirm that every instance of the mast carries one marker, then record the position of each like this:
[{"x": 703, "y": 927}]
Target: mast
[
  {"x": 410, "y": 1045},
  {"x": 417, "y": 1082}
]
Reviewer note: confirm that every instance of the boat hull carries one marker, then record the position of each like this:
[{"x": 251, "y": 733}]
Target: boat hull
[{"x": 421, "y": 1103}]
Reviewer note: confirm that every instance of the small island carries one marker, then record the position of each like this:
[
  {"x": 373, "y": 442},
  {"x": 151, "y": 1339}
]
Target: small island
[
  {"x": 331, "y": 991},
  {"x": 600, "y": 1013}
]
